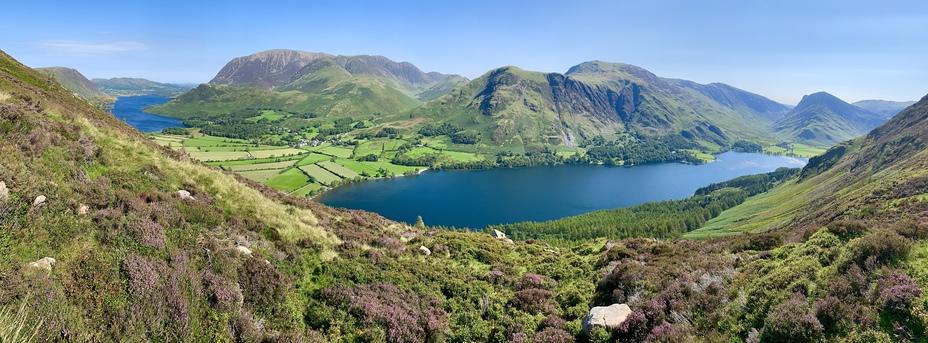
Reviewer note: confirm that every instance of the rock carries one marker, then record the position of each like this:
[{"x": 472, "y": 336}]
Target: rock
[
  {"x": 184, "y": 195},
  {"x": 4, "y": 192},
  {"x": 243, "y": 249},
  {"x": 39, "y": 200},
  {"x": 498, "y": 234},
  {"x": 425, "y": 250},
  {"x": 550, "y": 251},
  {"x": 45, "y": 263},
  {"x": 605, "y": 317},
  {"x": 83, "y": 210}
]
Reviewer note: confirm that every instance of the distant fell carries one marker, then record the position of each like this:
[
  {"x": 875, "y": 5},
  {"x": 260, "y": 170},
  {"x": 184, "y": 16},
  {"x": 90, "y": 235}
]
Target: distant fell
[
  {"x": 129, "y": 86},
  {"x": 823, "y": 120},
  {"x": 738, "y": 99},
  {"x": 74, "y": 81},
  {"x": 317, "y": 83},
  {"x": 884, "y": 108}
]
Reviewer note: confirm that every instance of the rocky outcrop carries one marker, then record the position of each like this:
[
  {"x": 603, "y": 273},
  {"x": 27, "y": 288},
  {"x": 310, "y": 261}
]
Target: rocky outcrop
[
  {"x": 45, "y": 263},
  {"x": 39, "y": 201},
  {"x": 265, "y": 70},
  {"x": 4, "y": 192},
  {"x": 243, "y": 249},
  {"x": 605, "y": 317},
  {"x": 184, "y": 195},
  {"x": 498, "y": 234}
]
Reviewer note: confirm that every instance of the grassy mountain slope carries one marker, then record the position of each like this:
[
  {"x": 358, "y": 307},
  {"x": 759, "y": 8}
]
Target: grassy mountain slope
[
  {"x": 517, "y": 109},
  {"x": 823, "y": 120},
  {"x": 313, "y": 83},
  {"x": 74, "y": 81},
  {"x": 737, "y": 99},
  {"x": 135, "y": 260},
  {"x": 885, "y": 108},
  {"x": 878, "y": 175},
  {"x": 128, "y": 86}
]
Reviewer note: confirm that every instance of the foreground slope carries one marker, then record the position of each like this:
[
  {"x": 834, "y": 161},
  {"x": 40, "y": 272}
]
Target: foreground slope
[
  {"x": 74, "y": 81},
  {"x": 145, "y": 244},
  {"x": 822, "y": 120}
]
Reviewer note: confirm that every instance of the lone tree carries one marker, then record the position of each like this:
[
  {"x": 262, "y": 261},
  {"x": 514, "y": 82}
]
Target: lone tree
[{"x": 419, "y": 223}]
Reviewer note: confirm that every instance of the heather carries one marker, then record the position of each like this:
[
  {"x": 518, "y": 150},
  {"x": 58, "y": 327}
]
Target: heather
[{"x": 230, "y": 260}]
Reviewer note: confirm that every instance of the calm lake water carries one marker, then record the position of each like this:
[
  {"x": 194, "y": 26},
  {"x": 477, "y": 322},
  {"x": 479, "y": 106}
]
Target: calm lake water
[
  {"x": 129, "y": 109},
  {"x": 479, "y": 198}
]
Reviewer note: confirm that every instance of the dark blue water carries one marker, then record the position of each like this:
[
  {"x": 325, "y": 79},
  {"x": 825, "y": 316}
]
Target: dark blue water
[
  {"x": 479, "y": 198},
  {"x": 129, "y": 109}
]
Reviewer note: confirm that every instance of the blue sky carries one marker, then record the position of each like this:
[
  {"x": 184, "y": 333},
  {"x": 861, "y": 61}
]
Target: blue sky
[{"x": 780, "y": 49}]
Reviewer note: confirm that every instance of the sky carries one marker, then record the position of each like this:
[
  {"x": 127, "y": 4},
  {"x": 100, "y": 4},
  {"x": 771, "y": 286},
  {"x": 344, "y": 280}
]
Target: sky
[{"x": 781, "y": 49}]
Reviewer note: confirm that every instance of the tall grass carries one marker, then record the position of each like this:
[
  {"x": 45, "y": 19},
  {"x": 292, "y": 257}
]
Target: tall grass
[{"x": 13, "y": 325}]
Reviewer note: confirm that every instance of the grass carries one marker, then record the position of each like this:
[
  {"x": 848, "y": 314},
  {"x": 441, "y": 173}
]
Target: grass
[
  {"x": 260, "y": 175},
  {"x": 218, "y": 155},
  {"x": 377, "y": 146},
  {"x": 338, "y": 169},
  {"x": 702, "y": 156},
  {"x": 336, "y": 151},
  {"x": 321, "y": 175},
  {"x": 309, "y": 188},
  {"x": 453, "y": 155},
  {"x": 13, "y": 327},
  {"x": 288, "y": 181},
  {"x": 253, "y": 161},
  {"x": 312, "y": 158},
  {"x": 212, "y": 141},
  {"x": 261, "y": 166},
  {"x": 799, "y": 149},
  {"x": 275, "y": 152}
]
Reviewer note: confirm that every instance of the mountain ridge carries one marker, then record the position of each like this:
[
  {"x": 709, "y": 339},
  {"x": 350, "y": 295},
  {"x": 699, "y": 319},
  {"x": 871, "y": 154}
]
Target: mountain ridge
[
  {"x": 76, "y": 82},
  {"x": 132, "y": 86},
  {"x": 821, "y": 119}
]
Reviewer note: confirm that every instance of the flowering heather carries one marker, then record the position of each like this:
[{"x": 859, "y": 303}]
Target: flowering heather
[
  {"x": 531, "y": 280},
  {"x": 404, "y": 316},
  {"x": 897, "y": 291},
  {"x": 792, "y": 321},
  {"x": 553, "y": 335},
  {"x": 149, "y": 233},
  {"x": 533, "y": 300},
  {"x": 222, "y": 293},
  {"x": 668, "y": 333}
]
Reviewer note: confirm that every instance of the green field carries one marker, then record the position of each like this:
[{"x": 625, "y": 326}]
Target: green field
[
  {"x": 288, "y": 181},
  {"x": 276, "y": 152},
  {"x": 310, "y": 187},
  {"x": 453, "y": 155},
  {"x": 338, "y": 170},
  {"x": 377, "y": 146},
  {"x": 321, "y": 175},
  {"x": 210, "y": 141},
  {"x": 261, "y": 166},
  {"x": 336, "y": 151},
  {"x": 312, "y": 158},
  {"x": 800, "y": 150},
  {"x": 260, "y": 175},
  {"x": 253, "y": 161},
  {"x": 217, "y": 155}
]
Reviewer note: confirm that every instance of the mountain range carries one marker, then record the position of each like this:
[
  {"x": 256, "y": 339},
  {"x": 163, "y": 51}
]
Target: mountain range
[
  {"x": 74, "y": 81},
  {"x": 110, "y": 237},
  {"x": 315, "y": 83},
  {"x": 518, "y": 110},
  {"x": 823, "y": 120},
  {"x": 128, "y": 86}
]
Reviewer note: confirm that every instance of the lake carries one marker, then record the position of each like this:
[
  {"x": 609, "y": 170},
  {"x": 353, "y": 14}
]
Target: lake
[
  {"x": 129, "y": 109},
  {"x": 478, "y": 198}
]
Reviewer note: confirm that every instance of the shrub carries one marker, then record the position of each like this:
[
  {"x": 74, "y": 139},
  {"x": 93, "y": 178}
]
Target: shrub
[
  {"x": 668, "y": 333},
  {"x": 897, "y": 291},
  {"x": 533, "y": 300},
  {"x": 263, "y": 286},
  {"x": 847, "y": 229},
  {"x": 831, "y": 312},
  {"x": 552, "y": 335},
  {"x": 880, "y": 247},
  {"x": 792, "y": 321},
  {"x": 404, "y": 316}
]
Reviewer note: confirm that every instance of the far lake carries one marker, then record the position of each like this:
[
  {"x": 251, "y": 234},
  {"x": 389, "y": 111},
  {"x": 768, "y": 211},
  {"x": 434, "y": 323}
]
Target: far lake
[
  {"x": 479, "y": 198},
  {"x": 129, "y": 109}
]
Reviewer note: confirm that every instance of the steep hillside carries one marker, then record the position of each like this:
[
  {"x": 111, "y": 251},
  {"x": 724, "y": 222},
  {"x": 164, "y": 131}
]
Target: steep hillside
[
  {"x": 128, "y": 86},
  {"x": 264, "y": 70},
  {"x": 738, "y": 100},
  {"x": 514, "y": 108},
  {"x": 144, "y": 244},
  {"x": 885, "y": 108},
  {"x": 74, "y": 81},
  {"x": 314, "y": 83},
  {"x": 823, "y": 120}
]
